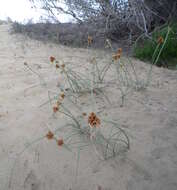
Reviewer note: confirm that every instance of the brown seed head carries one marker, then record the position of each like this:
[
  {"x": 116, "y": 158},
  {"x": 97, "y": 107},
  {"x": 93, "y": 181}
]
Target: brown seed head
[
  {"x": 93, "y": 120},
  {"x": 52, "y": 59},
  {"x": 50, "y": 135},
  {"x": 60, "y": 142}
]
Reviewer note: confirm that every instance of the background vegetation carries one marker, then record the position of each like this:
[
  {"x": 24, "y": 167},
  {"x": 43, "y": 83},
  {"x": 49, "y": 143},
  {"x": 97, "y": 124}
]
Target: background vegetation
[
  {"x": 123, "y": 22},
  {"x": 145, "y": 47}
]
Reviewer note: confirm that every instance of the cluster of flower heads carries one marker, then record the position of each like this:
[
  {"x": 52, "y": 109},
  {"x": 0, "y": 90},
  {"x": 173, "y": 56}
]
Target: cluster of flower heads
[
  {"x": 93, "y": 120},
  {"x": 51, "y": 136},
  {"x": 117, "y": 55},
  {"x": 57, "y": 65},
  {"x": 62, "y": 95},
  {"x": 58, "y": 103}
]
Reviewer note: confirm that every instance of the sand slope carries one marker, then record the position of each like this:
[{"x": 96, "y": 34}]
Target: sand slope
[{"x": 149, "y": 117}]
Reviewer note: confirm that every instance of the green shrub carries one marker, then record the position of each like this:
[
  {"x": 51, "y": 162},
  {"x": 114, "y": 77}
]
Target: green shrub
[{"x": 144, "y": 48}]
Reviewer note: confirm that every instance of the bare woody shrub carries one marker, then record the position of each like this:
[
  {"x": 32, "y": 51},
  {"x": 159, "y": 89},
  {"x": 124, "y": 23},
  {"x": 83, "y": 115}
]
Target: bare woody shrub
[{"x": 114, "y": 18}]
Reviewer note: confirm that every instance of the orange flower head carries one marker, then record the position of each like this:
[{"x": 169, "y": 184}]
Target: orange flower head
[
  {"x": 57, "y": 66},
  {"x": 93, "y": 120},
  {"x": 50, "y": 135},
  {"x": 55, "y": 109},
  {"x": 60, "y": 142},
  {"x": 160, "y": 40},
  {"x": 52, "y": 59}
]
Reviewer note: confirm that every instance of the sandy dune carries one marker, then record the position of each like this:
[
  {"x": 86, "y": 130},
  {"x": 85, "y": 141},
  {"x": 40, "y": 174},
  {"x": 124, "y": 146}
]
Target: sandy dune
[{"x": 149, "y": 117}]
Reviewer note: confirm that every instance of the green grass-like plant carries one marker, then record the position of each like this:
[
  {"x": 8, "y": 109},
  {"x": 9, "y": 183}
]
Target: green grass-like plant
[{"x": 144, "y": 47}]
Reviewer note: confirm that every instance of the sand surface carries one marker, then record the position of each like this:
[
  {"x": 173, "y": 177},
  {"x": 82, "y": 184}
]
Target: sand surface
[{"x": 149, "y": 117}]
